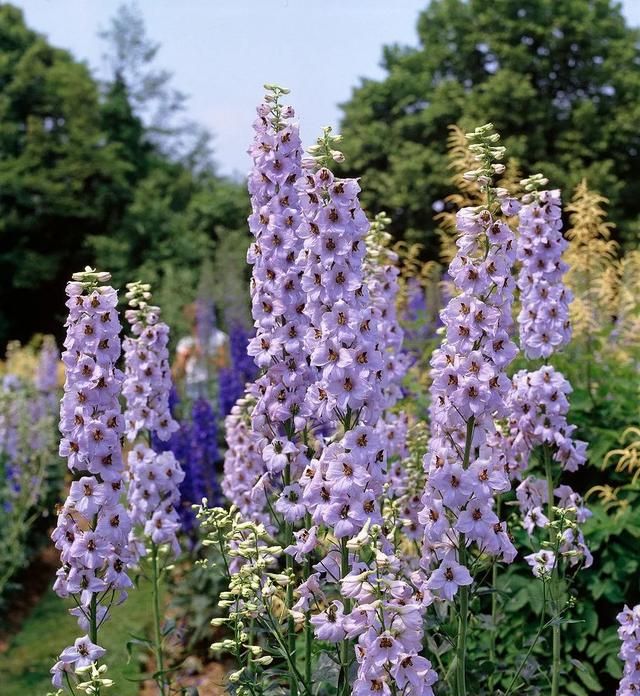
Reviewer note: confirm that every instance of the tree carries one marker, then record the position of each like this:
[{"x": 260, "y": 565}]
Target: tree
[
  {"x": 558, "y": 78},
  {"x": 174, "y": 208},
  {"x": 56, "y": 175},
  {"x": 130, "y": 57},
  {"x": 82, "y": 181}
]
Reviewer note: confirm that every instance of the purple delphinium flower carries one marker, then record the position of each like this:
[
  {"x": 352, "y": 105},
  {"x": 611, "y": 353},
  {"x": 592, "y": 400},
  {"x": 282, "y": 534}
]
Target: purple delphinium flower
[
  {"x": 538, "y": 400},
  {"x": 154, "y": 495},
  {"x": 544, "y": 315},
  {"x": 388, "y": 623},
  {"x": 538, "y": 406},
  {"x": 277, "y": 296},
  {"x": 82, "y": 653},
  {"x": 447, "y": 578},
  {"x": 202, "y": 456},
  {"x": 147, "y": 383},
  {"x": 232, "y": 379},
  {"x": 153, "y": 492},
  {"x": 93, "y": 544},
  {"x": 468, "y": 394},
  {"x": 629, "y": 634},
  {"x": 342, "y": 487}
]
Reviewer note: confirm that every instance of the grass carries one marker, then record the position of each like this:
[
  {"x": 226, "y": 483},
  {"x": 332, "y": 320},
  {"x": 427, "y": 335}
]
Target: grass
[{"x": 24, "y": 668}]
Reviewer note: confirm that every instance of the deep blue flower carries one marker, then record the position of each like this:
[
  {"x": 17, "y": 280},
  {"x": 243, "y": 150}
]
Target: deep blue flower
[{"x": 242, "y": 369}]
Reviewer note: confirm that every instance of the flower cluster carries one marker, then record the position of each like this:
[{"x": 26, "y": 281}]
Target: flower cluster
[
  {"x": 93, "y": 527},
  {"x": 341, "y": 487},
  {"x": 154, "y": 495},
  {"x": 147, "y": 373},
  {"x": 406, "y": 476},
  {"x": 243, "y": 463},
  {"x": 388, "y": 622},
  {"x": 629, "y": 634},
  {"x": 249, "y": 552},
  {"x": 469, "y": 392},
  {"x": 76, "y": 658},
  {"x": 544, "y": 314},
  {"x": 381, "y": 272},
  {"x": 154, "y": 479},
  {"x": 202, "y": 455},
  {"x": 278, "y": 298},
  {"x": 538, "y": 407}
]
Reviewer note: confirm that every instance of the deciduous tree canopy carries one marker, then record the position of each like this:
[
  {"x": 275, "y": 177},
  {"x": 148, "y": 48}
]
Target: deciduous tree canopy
[
  {"x": 84, "y": 180},
  {"x": 546, "y": 73}
]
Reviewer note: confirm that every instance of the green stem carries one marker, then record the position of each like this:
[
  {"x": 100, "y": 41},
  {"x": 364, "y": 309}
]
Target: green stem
[
  {"x": 93, "y": 618},
  {"x": 461, "y": 647},
  {"x": 291, "y": 628},
  {"x": 156, "y": 616},
  {"x": 541, "y": 627},
  {"x": 345, "y": 645},
  {"x": 553, "y": 589},
  {"x": 494, "y": 606},
  {"x": 463, "y": 616},
  {"x": 494, "y": 617},
  {"x": 273, "y": 625},
  {"x": 308, "y": 634}
]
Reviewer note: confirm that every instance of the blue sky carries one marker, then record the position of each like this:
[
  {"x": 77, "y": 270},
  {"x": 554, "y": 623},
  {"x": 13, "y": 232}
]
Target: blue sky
[{"x": 221, "y": 52}]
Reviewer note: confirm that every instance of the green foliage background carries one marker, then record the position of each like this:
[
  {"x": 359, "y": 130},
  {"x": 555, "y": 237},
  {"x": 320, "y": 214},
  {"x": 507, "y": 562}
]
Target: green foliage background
[
  {"x": 87, "y": 178},
  {"x": 106, "y": 174},
  {"x": 560, "y": 80}
]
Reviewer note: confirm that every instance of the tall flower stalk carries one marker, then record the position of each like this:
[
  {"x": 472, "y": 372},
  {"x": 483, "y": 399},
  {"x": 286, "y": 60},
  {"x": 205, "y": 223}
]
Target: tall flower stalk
[
  {"x": 277, "y": 306},
  {"x": 93, "y": 527},
  {"x": 154, "y": 478},
  {"x": 342, "y": 486},
  {"x": 464, "y": 470},
  {"x": 539, "y": 405}
]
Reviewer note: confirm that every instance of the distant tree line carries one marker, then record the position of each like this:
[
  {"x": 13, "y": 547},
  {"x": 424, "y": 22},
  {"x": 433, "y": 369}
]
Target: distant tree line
[
  {"x": 105, "y": 173},
  {"x": 560, "y": 79}
]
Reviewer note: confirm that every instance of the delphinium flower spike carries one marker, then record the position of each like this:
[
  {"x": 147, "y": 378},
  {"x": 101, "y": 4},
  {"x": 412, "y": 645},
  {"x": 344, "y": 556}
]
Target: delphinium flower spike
[
  {"x": 147, "y": 382},
  {"x": 629, "y": 634},
  {"x": 381, "y": 272},
  {"x": 538, "y": 404},
  {"x": 341, "y": 488},
  {"x": 465, "y": 471},
  {"x": 46, "y": 379},
  {"x": 351, "y": 340},
  {"x": 277, "y": 302},
  {"x": 544, "y": 315},
  {"x": 93, "y": 527},
  {"x": 153, "y": 492},
  {"x": 276, "y": 292}
]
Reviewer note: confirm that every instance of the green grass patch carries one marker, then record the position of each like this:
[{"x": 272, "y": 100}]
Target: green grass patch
[{"x": 24, "y": 668}]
